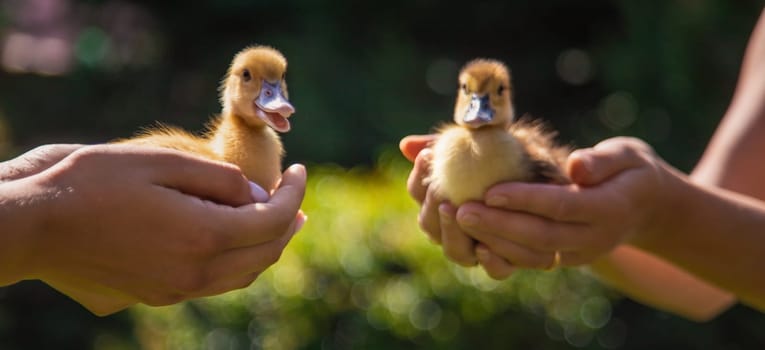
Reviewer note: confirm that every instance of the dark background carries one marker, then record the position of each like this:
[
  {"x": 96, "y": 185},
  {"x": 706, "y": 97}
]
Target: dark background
[{"x": 363, "y": 74}]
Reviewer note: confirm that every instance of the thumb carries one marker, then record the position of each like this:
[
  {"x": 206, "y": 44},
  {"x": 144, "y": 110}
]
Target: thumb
[
  {"x": 592, "y": 166},
  {"x": 271, "y": 219},
  {"x": 291, "y": 190},
  {"x": 411, "y": 145}
]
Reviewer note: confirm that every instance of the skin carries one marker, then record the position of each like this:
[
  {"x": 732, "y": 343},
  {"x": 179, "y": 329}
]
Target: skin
[
  {"x": 114, "y": 225},
  {"x": 639, "y": 224}
]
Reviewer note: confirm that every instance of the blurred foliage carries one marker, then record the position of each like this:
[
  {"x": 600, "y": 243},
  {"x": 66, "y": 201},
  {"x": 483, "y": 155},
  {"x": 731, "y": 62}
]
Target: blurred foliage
[
  {"x": 361, "y": 276},
  {"x": 362, "y": 75}
]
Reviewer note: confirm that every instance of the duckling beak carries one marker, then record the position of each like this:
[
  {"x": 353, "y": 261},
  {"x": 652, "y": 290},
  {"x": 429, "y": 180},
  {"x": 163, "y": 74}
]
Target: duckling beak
[
  {"x": 273, "y": 108},
  {"x": 479, "y": 112}
]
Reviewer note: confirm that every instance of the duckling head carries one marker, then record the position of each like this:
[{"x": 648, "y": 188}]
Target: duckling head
[
  {"x": 255, "y": 90},
  {"x": 484, "y": 93}
]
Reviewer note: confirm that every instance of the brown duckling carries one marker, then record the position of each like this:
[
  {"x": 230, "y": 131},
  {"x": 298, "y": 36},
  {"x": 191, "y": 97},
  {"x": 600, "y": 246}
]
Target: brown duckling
[
  {"x": 255, "y": 107},
  {"x": 486, "y": 145}
]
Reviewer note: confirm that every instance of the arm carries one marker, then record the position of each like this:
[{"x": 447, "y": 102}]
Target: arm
[
  {"x": 641, "y": 275},
  {"x": 97, "y": 223},
  {"x": 710, "y": 232},
  {"x": 653, "y": 281},
  {"x": 728, "y": 163},
  {"x": 739, "y": 141},
  {"x": 627, "y": 193}
]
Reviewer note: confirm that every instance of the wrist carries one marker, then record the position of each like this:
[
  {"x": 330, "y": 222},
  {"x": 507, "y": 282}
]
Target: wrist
[
  {"x": 667, "y": 203},
  {"x": 22, "y": 215}
]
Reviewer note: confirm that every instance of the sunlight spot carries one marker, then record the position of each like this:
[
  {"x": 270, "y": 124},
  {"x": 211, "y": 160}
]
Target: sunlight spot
[
  {"x": 441, "y": 76},
  {"x": 596, "y": 312},
  {"x": 400, "y": 296},
  {"x": 426, "y": 315},
  {"x": 220, "y": 338},
  {"x": 356, "y": 262},
  {"x": 574, "y": 66},
  {"x": 618, "y": 111},
  {"x": 92, "y": 46},
  {"x": 288, "y": 280},
  {"x": 25, "y": 53},
  {"x": 577, "y": 335}
]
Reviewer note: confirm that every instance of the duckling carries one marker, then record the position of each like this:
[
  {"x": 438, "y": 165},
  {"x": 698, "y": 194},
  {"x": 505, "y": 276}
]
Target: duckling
[
  {"x": 255, "y": 106},
  {"x": 486, "y": 145}
]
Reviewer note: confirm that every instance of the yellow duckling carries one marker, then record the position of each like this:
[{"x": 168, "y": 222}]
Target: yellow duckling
[
  {"x": 486, "y": 146},
  {"x": 255, "y": 106}
]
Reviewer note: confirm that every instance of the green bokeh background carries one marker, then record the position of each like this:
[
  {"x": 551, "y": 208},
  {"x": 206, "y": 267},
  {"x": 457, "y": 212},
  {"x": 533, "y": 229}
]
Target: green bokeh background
[{"x": 362, "y": 75}]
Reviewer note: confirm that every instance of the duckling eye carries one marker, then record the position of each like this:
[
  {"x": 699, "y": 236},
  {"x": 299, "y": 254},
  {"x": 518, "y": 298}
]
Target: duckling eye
[
  {"x": 464, "y": 88},
  {"x": 284, "y": 76},
  {"x": 246, "y": 75},
  {"x": 501, "y": 90}
]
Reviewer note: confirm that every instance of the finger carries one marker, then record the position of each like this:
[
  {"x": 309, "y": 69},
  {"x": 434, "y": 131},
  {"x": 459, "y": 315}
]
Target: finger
[
  {"x": 592, "y": 166},
  {"x": 516, "y": 254},
  {"x": 415, "y": 183},
  {"x": 411, "y": 145},
  {"x": 458, "y": 246},
  {"x": 216, "y": 181},
  {"x": 234, "y": 267},
  {"x": 537, "y": 233},
  {"x": 261, "y": 222},
  {"x": 495, "y": 266},
  {"x": 235, "y": 263},
  {"x": 429, "y": 219},
  {"x": 554, "y": 202},
  {"x": 35, "y": 161}
]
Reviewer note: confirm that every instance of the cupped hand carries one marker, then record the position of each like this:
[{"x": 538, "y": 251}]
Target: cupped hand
[
  {"x": 126, "y": 224},
  {"x": 617, "y": 190}
]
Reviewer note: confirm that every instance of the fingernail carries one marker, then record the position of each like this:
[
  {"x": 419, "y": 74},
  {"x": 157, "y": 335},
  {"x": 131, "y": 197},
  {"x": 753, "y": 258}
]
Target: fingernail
[
  {"x": 301, "y": 220},
  {"x": 496, "y": 201},
  {"x": 258, "y": 194},
  {"x": 300, "y": 168},
  {"x": 469, "y": 219}
]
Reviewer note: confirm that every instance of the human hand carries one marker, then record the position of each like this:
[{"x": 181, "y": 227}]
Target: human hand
[
  {"x": 617, "y": 192},
  {"x": 99, "y": 299},
  {"x": 155, "y": 225},
  {"x": 436, "y": 217}
]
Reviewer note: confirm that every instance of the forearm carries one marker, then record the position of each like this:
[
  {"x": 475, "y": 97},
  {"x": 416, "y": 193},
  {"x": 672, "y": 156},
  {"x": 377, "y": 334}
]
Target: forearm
[
  {"x": 18, "y": 208},
  {"x": 714, "y": 234},
  {"x": 727, "y": 163},
  {"x": 653, "y": 281}
]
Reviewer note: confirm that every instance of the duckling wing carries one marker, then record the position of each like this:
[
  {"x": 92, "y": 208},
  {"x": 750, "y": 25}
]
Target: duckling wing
[
  {"x": 547, "y": 158},
  {"x": 174, "y": 138}
]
